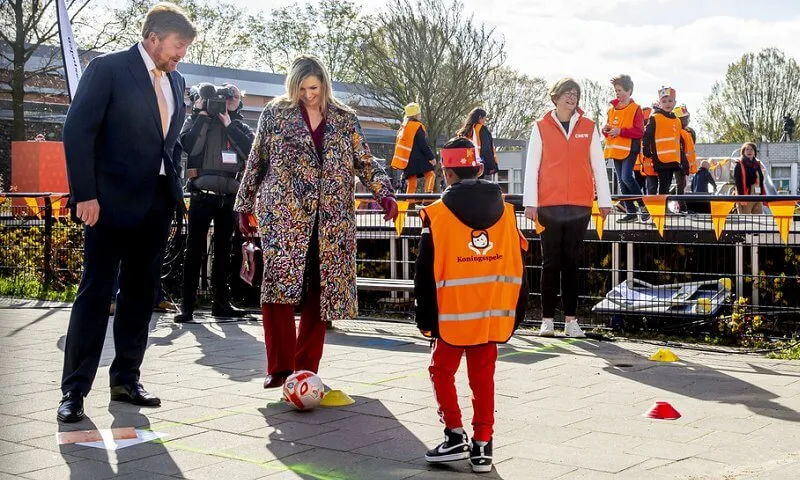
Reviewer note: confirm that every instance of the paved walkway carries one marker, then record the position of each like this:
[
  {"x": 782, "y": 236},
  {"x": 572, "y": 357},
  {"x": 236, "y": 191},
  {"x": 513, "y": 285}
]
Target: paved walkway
[{"x": 566, "y": 409}]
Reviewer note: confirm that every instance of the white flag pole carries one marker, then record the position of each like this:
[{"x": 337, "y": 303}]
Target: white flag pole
[{"x": 69, "y": 49}]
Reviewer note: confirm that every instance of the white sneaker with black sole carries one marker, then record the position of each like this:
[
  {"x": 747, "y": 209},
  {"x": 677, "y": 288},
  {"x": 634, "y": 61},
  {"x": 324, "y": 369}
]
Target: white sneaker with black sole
[
  {"x": 480, "y": 457},
  {"x": 572, "y": 329},
  {"x": 455, "y": 447}
]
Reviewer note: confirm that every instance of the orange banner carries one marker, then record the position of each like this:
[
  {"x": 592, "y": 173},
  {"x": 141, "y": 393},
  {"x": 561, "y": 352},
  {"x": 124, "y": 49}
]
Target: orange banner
[
  {"x": 657, "y": 208},
  {"x": 84, "y": 436},
  {"x": 400, "y": 221},
  {"x": 719, "y": 214},
  {"x": 782, "y": 212},
  {"x": 599, "y": 221}
]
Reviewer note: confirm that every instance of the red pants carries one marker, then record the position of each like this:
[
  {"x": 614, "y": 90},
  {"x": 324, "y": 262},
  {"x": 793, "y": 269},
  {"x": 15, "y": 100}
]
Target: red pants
[
  {"x": 289, "y": 350},
  {"x": 481, "y": 361}
]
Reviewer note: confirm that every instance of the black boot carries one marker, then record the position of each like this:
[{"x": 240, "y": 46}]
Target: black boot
[
  {"x": 225, "y": 309},
  {"x": 187, "y": 310}
]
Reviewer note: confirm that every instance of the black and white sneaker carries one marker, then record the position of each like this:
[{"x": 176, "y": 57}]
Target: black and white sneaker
[
  {"x": 480, "y": 457},
  {"x": 455, "y": 447}
]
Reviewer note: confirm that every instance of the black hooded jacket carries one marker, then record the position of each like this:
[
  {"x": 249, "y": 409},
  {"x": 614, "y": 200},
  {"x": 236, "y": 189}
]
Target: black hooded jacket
[
  {"x": 649, "y": 145},
  {"x": 479, "y": 205}
]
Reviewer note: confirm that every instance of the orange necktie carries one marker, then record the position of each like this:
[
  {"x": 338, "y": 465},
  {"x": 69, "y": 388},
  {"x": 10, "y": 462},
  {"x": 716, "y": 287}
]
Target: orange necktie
[{"x": 162, "y": 100}]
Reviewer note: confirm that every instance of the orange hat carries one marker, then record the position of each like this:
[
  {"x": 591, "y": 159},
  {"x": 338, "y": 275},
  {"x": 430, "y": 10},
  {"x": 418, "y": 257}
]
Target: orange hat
[
  {"x": 666, "y": 92},
  {"x": 458, "y": 157}
]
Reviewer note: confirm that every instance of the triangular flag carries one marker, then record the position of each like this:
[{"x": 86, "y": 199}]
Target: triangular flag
[
  {"x": 357, "y": 204},
  {"x": 720, "y": 210},
  {"x": 539, "y": 227},
  {"x": 400, "y": 221},
  {"x": 33, "y": 205},
  {"x": 657, "y": 208},
  {"x": 599, "y": 221},
  {"x": 782, "y": 212}
]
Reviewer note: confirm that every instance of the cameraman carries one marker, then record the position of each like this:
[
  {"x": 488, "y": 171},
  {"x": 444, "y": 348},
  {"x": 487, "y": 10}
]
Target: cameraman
[{"x": 217, "y": 148}]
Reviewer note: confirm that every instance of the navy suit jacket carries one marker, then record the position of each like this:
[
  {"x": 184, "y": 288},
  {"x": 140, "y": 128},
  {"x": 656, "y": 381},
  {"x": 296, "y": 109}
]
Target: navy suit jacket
[{"x": 113, "y": 138}]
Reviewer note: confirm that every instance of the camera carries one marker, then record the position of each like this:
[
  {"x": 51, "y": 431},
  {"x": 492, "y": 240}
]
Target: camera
[{"x": 214, "y": 98}]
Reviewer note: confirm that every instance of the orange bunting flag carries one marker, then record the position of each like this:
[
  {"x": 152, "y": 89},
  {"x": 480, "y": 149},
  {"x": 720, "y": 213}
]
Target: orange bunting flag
[
  {"x": 599, "y": 221},
  {"x": 657, "y": 208},
  {"x": 539, "y": 227},
  {"x": 34, "y": 206},
  {"x": 719, "y": 214},
  {"x": 782, "y": 212},
  {"x": 358, "y": 204},
  {"x": 400, "y": 221}
]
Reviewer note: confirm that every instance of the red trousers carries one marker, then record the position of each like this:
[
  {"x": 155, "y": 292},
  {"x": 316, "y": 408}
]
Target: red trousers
[
  {"x": 481, "y": 361},
  {"x": 288, "y": 349}
]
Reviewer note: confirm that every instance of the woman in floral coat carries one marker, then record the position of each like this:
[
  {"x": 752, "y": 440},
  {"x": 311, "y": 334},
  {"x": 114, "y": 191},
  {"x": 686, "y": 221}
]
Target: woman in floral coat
[{"x": 299, "y": 184}]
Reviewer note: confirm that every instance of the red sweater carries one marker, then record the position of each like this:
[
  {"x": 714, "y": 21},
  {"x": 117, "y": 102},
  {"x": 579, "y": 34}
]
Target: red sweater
[{"x": 637, "y": 130}]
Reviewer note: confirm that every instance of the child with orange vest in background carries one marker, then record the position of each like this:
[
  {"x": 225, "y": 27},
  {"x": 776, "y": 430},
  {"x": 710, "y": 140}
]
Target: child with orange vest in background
[
  {"x": 412, "y": 154},
  {"x": 663, "y": 143},
  {"x": 623, "y": 133},
  {"x": 471, "y": 294},
  {"x": 649, "y": 173},
  {"x": 688, "y": 136}
]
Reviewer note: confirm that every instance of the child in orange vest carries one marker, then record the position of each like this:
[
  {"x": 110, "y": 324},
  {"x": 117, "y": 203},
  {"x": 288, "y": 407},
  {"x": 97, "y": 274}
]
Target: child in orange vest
[
  {"x": 663, "y": 143},
  {"x": 471, "y": 294}
]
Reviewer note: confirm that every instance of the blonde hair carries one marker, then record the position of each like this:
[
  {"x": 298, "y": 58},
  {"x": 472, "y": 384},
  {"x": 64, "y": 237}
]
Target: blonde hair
[
  {"x": 165, "y": 18},
  {"x": 302, "y": 67}
]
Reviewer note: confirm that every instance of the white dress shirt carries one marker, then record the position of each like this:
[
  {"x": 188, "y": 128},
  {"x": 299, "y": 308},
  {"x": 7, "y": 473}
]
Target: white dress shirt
[
  {"x": 530, "y": 197},
  {"x": 165, "y": 87}
]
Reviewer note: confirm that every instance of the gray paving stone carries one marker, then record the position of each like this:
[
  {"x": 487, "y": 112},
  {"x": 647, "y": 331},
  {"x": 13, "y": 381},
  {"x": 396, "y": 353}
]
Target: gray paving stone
[{"x": 32, "y": 460}]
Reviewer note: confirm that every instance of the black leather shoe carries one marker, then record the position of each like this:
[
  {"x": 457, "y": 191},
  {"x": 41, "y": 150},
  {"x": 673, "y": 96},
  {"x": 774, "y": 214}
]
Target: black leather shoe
[
  {"x": 276, "y": 380},
  {"x": 184, "y": 317},
  {"x": 70, "y": 409},
  {"x": 134, "y": 393},
  {"x": 227, "y": 310}
]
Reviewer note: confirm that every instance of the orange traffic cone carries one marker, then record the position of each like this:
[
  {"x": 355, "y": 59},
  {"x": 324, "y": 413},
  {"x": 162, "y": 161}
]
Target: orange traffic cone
[{"x": 663, "y": 411}]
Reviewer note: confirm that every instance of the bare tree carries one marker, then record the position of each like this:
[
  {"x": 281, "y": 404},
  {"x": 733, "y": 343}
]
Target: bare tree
[
  {"x": 750, "y": 102},
  {"x": 432, "y": 53},
  {"x": 222, "y": 38},
  {"x": 330, "y": 29},
  {"x": 514, "y": 101},
  {"x": 595, "y": 100},
  {"x": 25, "y": 26}
]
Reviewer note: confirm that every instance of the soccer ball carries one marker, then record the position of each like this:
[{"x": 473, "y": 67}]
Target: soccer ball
[{"x": 303, "y": 390}]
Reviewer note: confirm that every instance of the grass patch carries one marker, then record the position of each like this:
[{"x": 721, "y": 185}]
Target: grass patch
[{"x": 23, "y": 287}]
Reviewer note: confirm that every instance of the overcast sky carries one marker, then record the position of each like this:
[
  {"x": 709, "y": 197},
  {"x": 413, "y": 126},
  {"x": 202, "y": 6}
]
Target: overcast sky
[{"x": 685, "y": 43}]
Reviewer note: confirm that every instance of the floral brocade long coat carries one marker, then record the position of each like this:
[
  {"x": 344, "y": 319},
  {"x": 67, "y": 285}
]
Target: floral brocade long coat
[{"x": 286, "y": 186}]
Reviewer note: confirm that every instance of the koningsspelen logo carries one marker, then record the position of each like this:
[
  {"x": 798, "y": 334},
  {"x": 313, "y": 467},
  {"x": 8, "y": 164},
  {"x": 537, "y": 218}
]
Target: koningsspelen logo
[{"x": 479, "y": 242}]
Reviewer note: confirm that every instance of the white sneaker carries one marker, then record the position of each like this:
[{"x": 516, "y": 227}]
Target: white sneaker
[
  {"x": 547, "y": 329},
  {"x": 572, "y": 329}
]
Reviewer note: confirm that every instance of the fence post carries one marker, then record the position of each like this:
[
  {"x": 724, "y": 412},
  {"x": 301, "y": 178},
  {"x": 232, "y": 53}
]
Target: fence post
[
  {"x": 754, "y": 267},
  {"x": 739, "y": 269},
  {"x": 615, "y": 263},
  {"x": 393, "y": 262},
  {"x": 629, "y": 261},
  {"x": 48, "y": 243}
]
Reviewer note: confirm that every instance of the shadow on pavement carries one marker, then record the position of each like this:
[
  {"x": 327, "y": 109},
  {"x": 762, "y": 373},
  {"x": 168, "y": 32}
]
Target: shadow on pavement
[
  {"x": 141, "y": 459},
  {"x": 360, "y": 441},
  {"x": 695, "y": 380}
]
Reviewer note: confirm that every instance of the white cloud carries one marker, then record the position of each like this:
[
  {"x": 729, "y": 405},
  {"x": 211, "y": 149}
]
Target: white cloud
[{"x": 685, "y": 43}]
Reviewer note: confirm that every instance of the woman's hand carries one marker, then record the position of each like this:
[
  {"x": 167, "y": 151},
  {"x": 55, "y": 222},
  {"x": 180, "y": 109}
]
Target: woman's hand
[
  {"x": 389, "y": 206},
  {"x": 530, "y": 213},
  {"x": 245, "y": 226}
]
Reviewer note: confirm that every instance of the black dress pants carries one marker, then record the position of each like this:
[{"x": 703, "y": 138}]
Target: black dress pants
[
  {"x": 138, "y": 252},
  {"x": 203, "y": 208},
  {"x": 564, "y": 229}
]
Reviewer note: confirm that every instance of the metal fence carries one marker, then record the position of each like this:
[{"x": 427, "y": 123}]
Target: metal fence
[{"x": 632, "y": 276}]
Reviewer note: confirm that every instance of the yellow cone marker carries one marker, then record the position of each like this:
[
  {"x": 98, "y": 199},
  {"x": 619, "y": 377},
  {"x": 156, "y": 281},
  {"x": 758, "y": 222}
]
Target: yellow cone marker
[
  {"x": 336, "y": 398},
  {"x": 664, "y": 355}
]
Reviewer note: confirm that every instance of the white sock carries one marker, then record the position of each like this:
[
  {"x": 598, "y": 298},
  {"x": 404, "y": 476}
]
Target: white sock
[
  {"x": 569, "y": 319},
  {"x": 481, "y": 443},
  {"x": 457, "y": 430}
]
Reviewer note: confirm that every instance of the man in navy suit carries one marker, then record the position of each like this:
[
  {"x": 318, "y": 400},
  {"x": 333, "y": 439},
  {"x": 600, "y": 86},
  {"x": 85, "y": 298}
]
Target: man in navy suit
[{"x": 123, "y": 156}]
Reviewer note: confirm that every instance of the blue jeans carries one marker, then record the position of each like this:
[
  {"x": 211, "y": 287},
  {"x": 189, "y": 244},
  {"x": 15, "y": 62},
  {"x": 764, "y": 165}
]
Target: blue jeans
[{"x": 627, "y": 181}]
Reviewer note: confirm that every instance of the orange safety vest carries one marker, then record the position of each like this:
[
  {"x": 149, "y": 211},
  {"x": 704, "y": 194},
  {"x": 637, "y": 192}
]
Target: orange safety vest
[
  {"x": 668, "y": 138},
  {"x": 565, "y": 174},
  {"x": 691, "y": 154},
  {"x": 405, "y": 142},
  {"x": 478, "y": 276},
  {"x": 619, "y": 147},
  {"x": 637, "y": 165},
  {"x": 647, "y": 166},
  {"x": 476, "y": 140}
]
